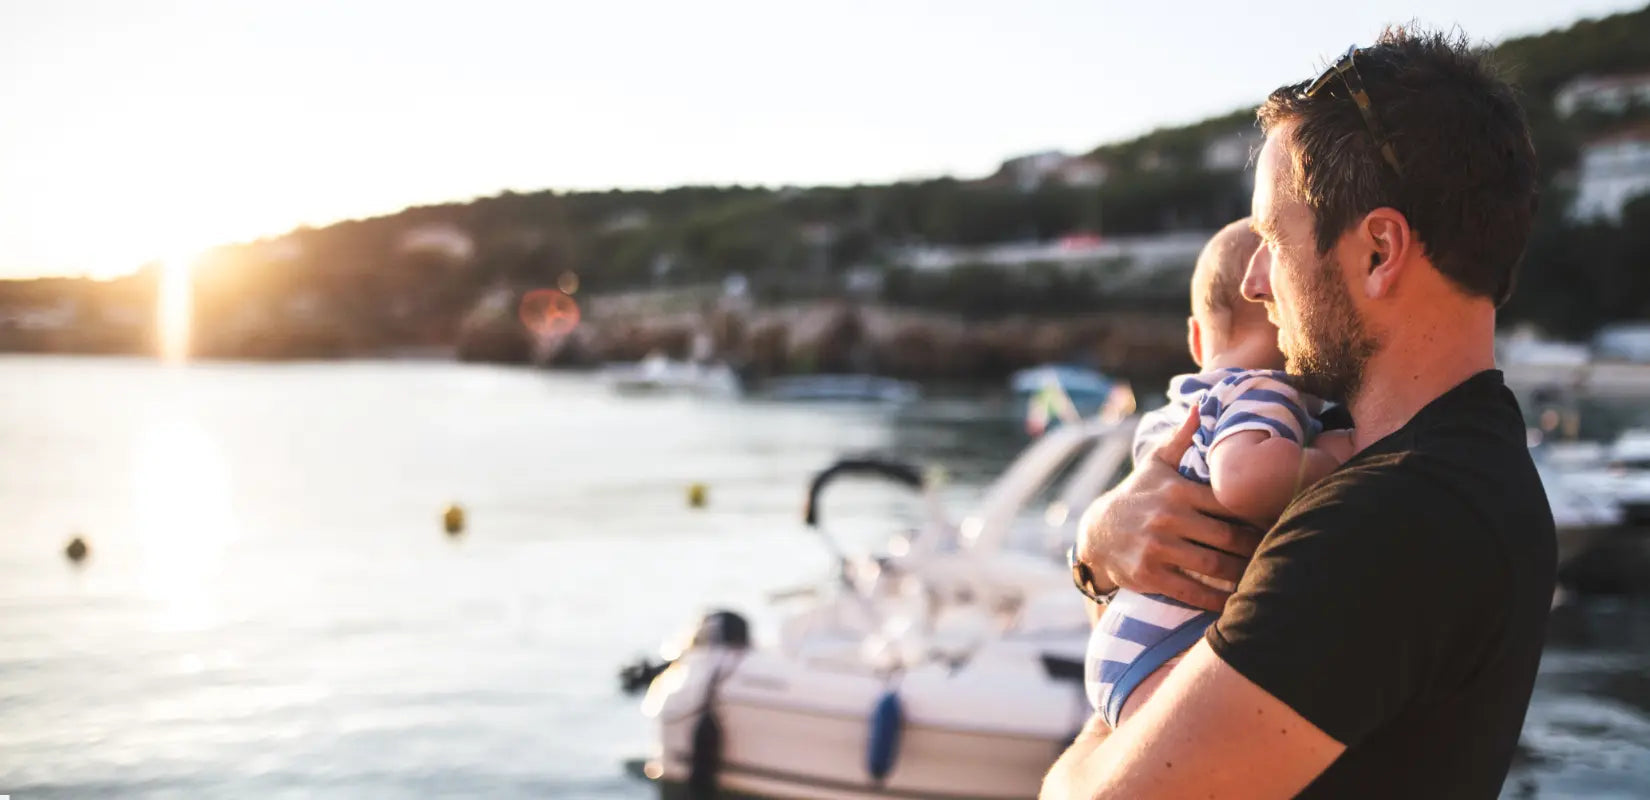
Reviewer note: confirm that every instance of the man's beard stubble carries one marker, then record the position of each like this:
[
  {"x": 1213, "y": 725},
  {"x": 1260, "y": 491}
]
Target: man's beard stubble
[{"x": 1328, "y": 354}]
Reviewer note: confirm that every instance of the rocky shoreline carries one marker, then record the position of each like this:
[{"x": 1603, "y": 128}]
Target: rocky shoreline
[{"x": 837, "y": 337}]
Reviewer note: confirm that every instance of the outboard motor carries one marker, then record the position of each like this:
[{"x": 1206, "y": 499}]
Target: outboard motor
[
  {"x": 720, "y": 628},
  {"x": 728, "y": 630}
]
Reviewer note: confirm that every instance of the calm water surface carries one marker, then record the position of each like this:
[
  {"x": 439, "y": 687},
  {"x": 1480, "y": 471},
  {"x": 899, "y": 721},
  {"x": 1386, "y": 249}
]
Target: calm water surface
[{"x": 270, "y": 609}]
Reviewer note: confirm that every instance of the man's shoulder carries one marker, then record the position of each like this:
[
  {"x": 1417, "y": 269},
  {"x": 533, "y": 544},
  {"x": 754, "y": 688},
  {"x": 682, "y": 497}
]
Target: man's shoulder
[
  {"x": 1365, "y": 485},
  {"x": 1381, "y": 506},
  {"x": 1393, "y": 497}
]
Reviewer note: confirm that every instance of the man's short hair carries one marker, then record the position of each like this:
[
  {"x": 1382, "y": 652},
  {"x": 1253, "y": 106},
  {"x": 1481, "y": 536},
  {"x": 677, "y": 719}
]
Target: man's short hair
[{"x": 1468, "y": 183}]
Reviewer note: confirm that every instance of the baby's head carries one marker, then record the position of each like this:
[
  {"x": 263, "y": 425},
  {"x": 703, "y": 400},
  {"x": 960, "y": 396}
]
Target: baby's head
[{"x": 1226, "y": 330}]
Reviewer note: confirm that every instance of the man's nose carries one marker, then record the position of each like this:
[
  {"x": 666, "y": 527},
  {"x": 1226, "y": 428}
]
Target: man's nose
[{"x": 1257, "y": 280}]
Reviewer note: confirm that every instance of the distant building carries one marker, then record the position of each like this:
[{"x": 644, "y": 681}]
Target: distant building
[
  {"x": 631, "y": 220},
  {"x": 1153, "y": 161},
  {"x": 57, "y": 316},
  {"x": 448, "y": 240},
  {"x": 1230, "y": 151},
  {"x": 1028, "y": 173},
  {"x": 1081, "y": 172},
  {"x": 1608, "y": 93},
  {"x": 1124, "y": 263},
  {"x": 1613, "y": 170}
]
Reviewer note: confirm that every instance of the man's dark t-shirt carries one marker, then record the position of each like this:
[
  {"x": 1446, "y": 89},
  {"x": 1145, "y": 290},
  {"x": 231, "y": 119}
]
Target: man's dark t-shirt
[{"x": 1400, "y": 604}]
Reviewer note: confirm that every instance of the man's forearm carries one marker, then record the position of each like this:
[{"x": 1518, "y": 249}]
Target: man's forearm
[{"x": 1064, "y": 779}]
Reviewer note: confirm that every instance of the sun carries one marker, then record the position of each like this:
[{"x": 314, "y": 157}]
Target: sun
[{"x": 176, "y": 306}]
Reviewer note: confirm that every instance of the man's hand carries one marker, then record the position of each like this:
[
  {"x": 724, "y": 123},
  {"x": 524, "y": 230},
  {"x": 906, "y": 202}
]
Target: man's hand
[{"x": 1156, "y": 526}]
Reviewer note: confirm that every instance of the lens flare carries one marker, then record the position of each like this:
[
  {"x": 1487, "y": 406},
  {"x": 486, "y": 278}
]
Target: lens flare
[
  {"x": 176, "y": 307},
  {"x": 549, "y": 313}
]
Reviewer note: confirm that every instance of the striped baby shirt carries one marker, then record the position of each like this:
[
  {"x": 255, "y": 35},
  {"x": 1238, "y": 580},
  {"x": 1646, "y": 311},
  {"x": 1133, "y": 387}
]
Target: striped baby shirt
[{"x": 1138, "y": 633}]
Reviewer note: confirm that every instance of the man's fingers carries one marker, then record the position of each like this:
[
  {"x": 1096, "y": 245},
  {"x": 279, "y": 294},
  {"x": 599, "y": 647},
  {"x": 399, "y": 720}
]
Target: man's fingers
[
  {"x": 1239, "y": 540},
  {"x": 1204, "y": 561},
  {"x": 1188, "y": 590},
  {"x": 1198, "y": 497}
]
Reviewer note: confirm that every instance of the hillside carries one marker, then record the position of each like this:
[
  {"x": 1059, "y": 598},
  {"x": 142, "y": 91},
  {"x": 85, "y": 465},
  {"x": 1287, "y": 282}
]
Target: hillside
[{"x": 408, "y": 279}]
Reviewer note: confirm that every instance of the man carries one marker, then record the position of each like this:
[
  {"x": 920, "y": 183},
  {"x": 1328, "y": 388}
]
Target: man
[{"x": 1384, "y": 639}]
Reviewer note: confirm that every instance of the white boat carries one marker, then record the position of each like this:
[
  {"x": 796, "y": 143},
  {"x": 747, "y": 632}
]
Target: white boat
[
  {"x": 949, "y": 668},
  {"x": 1583, "y": 512},
  {"x": 658, "y": 374},
  {"x": 1618, "y": 473}
]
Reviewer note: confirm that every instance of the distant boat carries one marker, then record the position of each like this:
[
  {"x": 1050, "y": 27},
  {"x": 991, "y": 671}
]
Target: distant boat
[
  {"x": 842, "y": 388},
  {"x": 1051, "y": 394},
  {"x": 1619, "y": 472},
  {"x": 1583, "y": 511},
  {"x": 949, "y": 666},
  {"x": 658, "y": 374}
]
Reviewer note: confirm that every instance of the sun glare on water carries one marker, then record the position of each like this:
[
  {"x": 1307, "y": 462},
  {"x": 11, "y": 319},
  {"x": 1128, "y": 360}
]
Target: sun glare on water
[
  {"x": 176, "y": 307},
  {"x": 182, "y": 514}
]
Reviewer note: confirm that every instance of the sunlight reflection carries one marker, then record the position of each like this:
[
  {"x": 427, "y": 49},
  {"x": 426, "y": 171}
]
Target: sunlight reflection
[
  {"x": 176, "y": 307},
  {"x": 183, "y": 518}
]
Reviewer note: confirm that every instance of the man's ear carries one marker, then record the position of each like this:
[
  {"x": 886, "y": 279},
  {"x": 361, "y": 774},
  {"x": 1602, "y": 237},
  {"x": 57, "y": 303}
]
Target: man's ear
[
  {"x": 1194, "y": 340},
  {"x": 1390, "y": 245}
]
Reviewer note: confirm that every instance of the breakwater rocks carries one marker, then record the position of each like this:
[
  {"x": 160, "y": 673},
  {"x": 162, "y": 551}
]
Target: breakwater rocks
[{"x": 836, "y": 337}]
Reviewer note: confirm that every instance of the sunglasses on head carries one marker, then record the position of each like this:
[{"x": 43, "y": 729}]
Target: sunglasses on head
[
  {"x": 1083, "y": 577},
  {"x": 1346, "y": 69}
]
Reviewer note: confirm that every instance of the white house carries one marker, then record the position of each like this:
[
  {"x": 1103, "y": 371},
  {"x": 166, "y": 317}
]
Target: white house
[
  {"x": 1610, "y": 93},
  {"x": 1613, "y": 170},
  {"x": 1032, "y": 171},
  {"x": 1124, "y": 263},
  {"x": 1230, "y": 150},
  {"x": 448, "y": 240},
  {"x": 1081, "y": 172}
]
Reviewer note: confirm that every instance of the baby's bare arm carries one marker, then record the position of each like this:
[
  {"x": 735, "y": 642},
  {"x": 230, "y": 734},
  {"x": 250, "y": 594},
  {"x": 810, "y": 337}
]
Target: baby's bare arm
[{"x": 1256, "y": 474}]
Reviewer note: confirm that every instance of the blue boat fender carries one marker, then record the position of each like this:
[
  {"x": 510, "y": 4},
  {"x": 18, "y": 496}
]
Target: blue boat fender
[{"x": 887, "y": 718}]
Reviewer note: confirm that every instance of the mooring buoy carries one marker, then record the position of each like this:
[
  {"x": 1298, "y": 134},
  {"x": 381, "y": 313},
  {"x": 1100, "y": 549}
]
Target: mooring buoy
[
  {"x": 452, "y": 520},
  {"x": 697, "y": 495}
]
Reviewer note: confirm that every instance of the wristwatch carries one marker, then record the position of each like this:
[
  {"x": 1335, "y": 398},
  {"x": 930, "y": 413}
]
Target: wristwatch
[{"x": 1083, "y": 577}]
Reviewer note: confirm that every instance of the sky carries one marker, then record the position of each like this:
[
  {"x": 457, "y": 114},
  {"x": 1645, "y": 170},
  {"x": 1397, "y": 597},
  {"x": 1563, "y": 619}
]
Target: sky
[{"x": 132, "y": 130}]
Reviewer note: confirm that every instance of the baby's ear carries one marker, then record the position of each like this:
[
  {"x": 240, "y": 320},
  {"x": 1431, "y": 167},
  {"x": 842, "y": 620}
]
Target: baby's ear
[{"x": 1194, "y": 340}]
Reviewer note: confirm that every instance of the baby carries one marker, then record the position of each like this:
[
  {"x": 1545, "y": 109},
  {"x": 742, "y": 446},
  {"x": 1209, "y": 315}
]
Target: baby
[{"x": 1258, "y": 443}]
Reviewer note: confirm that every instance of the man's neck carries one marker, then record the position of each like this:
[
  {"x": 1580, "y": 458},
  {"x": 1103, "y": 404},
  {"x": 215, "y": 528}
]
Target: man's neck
[{"x": 1421, "y": 360}]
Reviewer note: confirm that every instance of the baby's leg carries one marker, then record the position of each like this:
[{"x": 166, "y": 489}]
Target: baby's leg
[{"x": 1137, "y": 698}]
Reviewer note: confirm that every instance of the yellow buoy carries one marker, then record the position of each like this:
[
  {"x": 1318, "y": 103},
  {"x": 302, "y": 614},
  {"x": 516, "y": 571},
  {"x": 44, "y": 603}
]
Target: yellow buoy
[
  {"x": 696, "y": 495},
  {"x": 77, "y": 550},
  {"x": 453, "y": 519}
]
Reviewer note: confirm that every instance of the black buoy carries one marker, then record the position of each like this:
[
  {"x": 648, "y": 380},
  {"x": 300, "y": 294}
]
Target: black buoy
[{"x": 77, "y": 550}]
